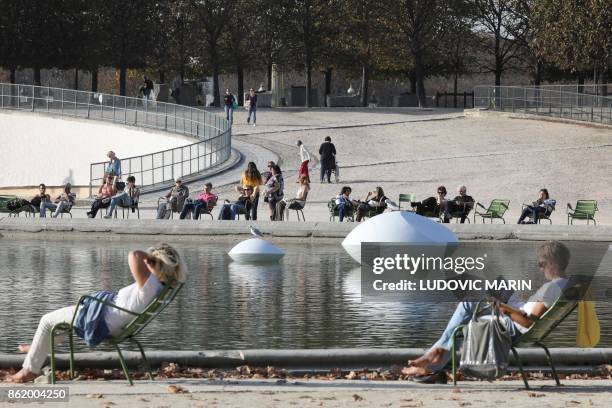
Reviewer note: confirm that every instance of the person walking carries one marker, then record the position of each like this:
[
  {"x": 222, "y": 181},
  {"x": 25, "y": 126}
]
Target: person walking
[
  {"x": 252, "y": 100},
  {"x": 230, "y": 101},
  {"x": 327, "y": 151},
  {"x": 304, "y": 161}
]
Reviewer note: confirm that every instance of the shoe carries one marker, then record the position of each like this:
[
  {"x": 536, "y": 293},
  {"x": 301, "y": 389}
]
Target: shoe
[
  {"x": 439, "y": 377},
  {"x": 107, "y": 216},
  {"x": 90, "y": 216},
  {"x": 254, "y": 125}
]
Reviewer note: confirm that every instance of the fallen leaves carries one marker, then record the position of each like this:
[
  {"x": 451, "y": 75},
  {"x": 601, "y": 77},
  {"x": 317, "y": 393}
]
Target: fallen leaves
[
  {"x": 532, "y": 394},
  {"x": 357, "y": 397},
  {"x": 177, "y": 389}
]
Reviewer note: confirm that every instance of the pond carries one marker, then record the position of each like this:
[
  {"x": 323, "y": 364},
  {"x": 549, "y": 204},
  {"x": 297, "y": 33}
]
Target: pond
[{"x": 310, "y": 300}]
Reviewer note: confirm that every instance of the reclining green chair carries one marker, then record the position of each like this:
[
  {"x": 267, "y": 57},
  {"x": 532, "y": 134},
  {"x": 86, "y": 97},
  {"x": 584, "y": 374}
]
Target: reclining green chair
[
  {"x": 496, "y": 210},
  {"x": 5, "y": 199},
  {"x": 538, "y": 331},
  {"x": 129, "y": 332},
  {"x": 585, "y": 210}
]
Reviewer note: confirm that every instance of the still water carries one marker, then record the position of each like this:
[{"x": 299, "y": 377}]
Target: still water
[{"x": 310, "y": 300}]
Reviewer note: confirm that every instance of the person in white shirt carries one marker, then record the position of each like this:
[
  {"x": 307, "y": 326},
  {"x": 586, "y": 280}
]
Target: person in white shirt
[
  {"x": 304, "y": 161},
  {"x": 553, "y": 258},
  {"x": 159, "y": 265}
]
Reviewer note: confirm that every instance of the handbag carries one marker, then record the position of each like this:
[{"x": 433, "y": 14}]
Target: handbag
[{"x": 486, "y": 346}]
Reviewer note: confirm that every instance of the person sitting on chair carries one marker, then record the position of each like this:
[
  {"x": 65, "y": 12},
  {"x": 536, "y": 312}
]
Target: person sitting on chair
[
  {"x": 126, "y": 196},
  {"x": 158, "y": 266},
  {"x": 103, "y": 199},
  {"x": 374, "y": 201},
  {"x": 63, "y": 202},
  {"x": 462, "y": 203},
  {"x": 344, "y": 203},
  {"x": 228, "y": 211},
  {"x": 40, "y": 197},
  {"x": 431, "y": 205},
  {"x": 205, "y": 201},
  {"x": 518, "y": 316},
  {"x": 296, "y": 203},
  {"x": 544, "y": 205},
  {"x": 175, "y": 200}
]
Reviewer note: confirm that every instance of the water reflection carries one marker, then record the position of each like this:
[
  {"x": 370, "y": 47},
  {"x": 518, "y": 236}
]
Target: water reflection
[{"x": 310, "y": 300}]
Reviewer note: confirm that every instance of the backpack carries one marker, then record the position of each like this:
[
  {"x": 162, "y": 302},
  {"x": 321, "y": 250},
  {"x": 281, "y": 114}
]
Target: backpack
[{"x": 486, "y": 346}]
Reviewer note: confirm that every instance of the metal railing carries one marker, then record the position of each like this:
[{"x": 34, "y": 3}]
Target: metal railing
[
  {"x": 545, "y": 101},
  {"x": 151, "y": 170}
]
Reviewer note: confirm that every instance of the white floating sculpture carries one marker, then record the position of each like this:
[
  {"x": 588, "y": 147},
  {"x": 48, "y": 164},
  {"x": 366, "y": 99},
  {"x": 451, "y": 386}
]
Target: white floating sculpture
[
  {"x": 397, "y": 227},
  {"x": 256, "y": 250}
]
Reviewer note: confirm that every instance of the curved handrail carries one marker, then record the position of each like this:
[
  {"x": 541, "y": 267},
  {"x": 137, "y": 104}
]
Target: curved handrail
[
  {"x": 545, "y": 101},
  {"x": 153, "y": 169}
]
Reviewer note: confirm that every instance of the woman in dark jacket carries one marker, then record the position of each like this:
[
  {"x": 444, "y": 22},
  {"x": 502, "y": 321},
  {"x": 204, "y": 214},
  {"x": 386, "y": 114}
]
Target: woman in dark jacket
[{"x": 328, "y": 158}]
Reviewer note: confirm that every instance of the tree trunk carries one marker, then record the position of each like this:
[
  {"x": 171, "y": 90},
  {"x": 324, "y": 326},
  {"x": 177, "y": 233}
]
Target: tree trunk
[
  {"x": 604, "y": 83},
  {"x": 76, "y": 79},
  {"x": 328, "y": 80},
  {"x": 122, "y": 80},
  {"x": 308, "y": 82},
  {"x": 36, "y": 75},
  {"x": 537, "y": 80},
  {"x": 94, "y": 80},
  {"x": 580, "y": 82},
  {"x": 240, "y": 72},
  {"x": 216, "y": 94},
  {"x": 269, "y": 75},
  {"x": 162, "y": 77},
  {"x": 12, "y": 74},
  {"x": 419, "y": 73},
  {"x": 412, "y": 79},
  {"x": 455, "y": 90},
  {"x": 365, "y": 81}
]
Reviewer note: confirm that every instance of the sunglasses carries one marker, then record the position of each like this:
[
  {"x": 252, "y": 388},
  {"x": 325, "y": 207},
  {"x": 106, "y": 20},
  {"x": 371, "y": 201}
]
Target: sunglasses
[{"x": 542, "y": 264}]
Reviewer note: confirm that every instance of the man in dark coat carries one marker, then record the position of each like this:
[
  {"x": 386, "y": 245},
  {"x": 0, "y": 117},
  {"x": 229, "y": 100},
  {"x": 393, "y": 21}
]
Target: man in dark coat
[{"x": 328, "y": 158}]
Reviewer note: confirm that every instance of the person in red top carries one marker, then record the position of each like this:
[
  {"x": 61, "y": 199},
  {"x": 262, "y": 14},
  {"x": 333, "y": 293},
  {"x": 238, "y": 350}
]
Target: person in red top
[{"x": 205, "y": 201}]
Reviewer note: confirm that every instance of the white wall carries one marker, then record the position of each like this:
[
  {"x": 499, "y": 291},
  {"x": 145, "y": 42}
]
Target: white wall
[{"x": 36, "y": 148}]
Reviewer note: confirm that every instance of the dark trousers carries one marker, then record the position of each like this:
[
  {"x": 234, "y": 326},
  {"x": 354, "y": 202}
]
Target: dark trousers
[
  {"x": 427, "y": 206},
  {"x": 252, "y": 208},
  {"x": 326, "y": 169},
  {"x": 96, "y": 205},
  {"x": 532, "y": 212},
  {"x": 452, "y": 207},
  {"x": 195, "y": 207}
]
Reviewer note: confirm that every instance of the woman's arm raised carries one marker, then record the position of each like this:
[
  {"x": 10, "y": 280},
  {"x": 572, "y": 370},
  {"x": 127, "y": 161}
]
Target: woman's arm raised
[{"x": 141, "y": 267}]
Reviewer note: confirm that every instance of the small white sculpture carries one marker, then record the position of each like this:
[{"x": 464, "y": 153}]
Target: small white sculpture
[{"x": 256, "y": 249}]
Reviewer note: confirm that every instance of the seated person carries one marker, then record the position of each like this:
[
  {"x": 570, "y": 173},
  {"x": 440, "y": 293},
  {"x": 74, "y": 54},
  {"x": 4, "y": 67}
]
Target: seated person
[
  {"x": 462, "y": 203},
  {"x": 103, "y": 199},
  {"x": 174, "y": 200},
  {"x": 375, "y": 200},
  {"x": 274, "y": 190},
  {"x": 127, "y": 195},
  {"x": 151, "y": 270},
  {"x": 40, "y": 197},
  {"x": 229, "y": 210},
  {"x": 518, "y": 316},
  {"x": 63, "y": 202},
  {"x": 431, "y": 205},
  {"x": 544, "y": 205},
  {"x": 205, "y": 201},
  {"x": 344, "y": 203},
  {"x": 296, "y": 203}
]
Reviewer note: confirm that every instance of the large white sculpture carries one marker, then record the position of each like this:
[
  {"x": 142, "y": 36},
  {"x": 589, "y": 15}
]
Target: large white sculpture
[
  {"x": 397, "y": 227},
  {"x": 256, "y": 250}
]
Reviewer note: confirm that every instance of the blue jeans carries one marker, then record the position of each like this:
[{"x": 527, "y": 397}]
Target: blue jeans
[
  {"x": 122, "y": 198},
  {"x": 229, "y": 114},
  {"x": 343, "y": 209},
  {"x": 234, "y": 208},
  {"x": 195, "y": 208},
  {"x": 253, "y": 113},
  {"x": 462, "y": 315}
]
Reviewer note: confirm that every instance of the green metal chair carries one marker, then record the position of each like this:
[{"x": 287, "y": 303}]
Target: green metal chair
[
  {"x": 404, "y": 198},
  {"x": 585, "y": 210},
  {"x": 333, "y": 211},
  {"x": 538, "y": 331},
  {"x": 496, "y": 210},
  {"x": 5, "y": 199},
  {"x": 129, "y": 332},
  {"x": 457, "y": 214}
]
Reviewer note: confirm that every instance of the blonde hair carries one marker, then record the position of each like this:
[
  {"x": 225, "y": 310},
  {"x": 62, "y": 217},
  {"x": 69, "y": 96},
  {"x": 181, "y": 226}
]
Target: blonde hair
[
  {"x": 171, "y": 267},
  {"x": 556, "y": 253}
]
